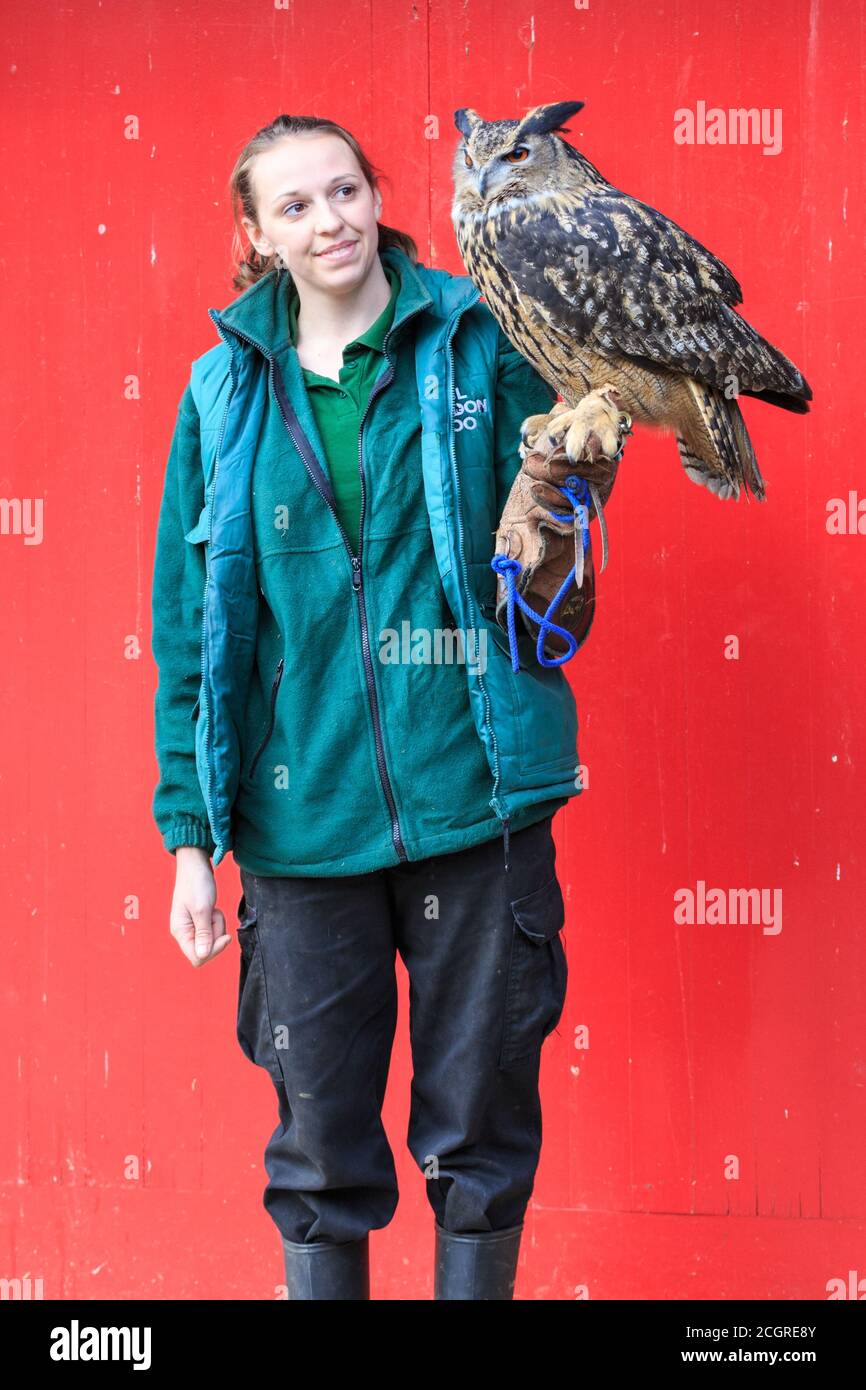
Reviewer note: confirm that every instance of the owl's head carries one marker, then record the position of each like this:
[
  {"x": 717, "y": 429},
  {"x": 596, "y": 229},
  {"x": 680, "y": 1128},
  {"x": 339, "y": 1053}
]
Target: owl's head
[{"x": 508, "y": 159}]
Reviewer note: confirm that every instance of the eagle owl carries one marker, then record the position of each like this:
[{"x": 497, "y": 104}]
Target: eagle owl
[{"x": 598, "y": 289}]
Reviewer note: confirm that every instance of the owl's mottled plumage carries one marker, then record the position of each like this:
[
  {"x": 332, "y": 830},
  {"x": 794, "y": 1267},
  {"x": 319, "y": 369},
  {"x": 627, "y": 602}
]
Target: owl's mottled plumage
[{"x": 594, "y": 287}]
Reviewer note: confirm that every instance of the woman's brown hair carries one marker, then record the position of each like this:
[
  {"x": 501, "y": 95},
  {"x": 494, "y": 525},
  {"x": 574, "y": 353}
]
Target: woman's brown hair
[{"x": 249, "y": 265}]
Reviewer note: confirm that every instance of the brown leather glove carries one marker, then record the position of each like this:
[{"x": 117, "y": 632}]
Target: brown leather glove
[{"x": 547, "y": 548}]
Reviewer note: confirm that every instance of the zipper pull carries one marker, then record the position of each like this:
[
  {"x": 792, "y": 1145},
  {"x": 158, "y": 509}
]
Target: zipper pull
[
  {"x": 356, "y": 573},
  {"x": 505, "y": 834}
]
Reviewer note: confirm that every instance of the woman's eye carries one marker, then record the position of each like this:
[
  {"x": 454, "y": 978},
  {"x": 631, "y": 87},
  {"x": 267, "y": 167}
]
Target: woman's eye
[
  {"x": 467, "y": 159},
  {"x": 350, "y": 187},
  {"x": 517, "y": 155}
]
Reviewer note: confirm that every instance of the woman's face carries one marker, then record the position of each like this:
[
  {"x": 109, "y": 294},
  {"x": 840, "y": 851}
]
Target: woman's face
[{"x": 311, "y": 196}]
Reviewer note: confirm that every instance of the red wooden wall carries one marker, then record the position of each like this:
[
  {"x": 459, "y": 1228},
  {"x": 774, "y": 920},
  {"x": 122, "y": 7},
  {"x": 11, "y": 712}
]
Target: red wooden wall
[{"x": 704, "y": 1095}]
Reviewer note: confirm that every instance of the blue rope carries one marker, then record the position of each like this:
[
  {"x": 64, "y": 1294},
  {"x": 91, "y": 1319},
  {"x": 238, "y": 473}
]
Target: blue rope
[{"x": 576, "y": 490}]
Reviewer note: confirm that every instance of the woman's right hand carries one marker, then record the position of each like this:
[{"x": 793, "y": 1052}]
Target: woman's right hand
[{"x": 198, "y": 926}]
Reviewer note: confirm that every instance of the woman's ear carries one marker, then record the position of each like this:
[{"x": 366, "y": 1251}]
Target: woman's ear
[{"x": 260, "y": 242}]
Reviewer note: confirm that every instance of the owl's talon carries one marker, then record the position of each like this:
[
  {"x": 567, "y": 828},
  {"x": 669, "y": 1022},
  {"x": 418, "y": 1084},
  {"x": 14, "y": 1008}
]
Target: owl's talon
[
  {"x": 533, "y": 428},
  {"x": 594, "y": 428}
]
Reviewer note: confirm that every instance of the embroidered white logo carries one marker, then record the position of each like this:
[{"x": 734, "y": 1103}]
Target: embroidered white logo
[{"x": 465, "y": 410}]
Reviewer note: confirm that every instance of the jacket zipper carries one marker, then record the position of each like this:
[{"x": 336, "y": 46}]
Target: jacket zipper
[
  {"x": 270, "y": 729},
  {"x": 494, "y": 800},
  {"x": 358, "y": 586}
]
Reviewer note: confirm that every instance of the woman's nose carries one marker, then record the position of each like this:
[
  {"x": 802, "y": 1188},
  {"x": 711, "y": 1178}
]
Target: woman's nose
[{"x": 328, "y": 220}]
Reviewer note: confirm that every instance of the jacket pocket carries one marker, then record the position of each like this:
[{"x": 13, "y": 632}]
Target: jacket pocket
[
  {"x": 275, "y": 685},
  {"x": 537, "y": 973},
  {"x": 545, "y": 728},
  {"x": 253, "y": 1028},
  {"x": 199, "y": 531}
]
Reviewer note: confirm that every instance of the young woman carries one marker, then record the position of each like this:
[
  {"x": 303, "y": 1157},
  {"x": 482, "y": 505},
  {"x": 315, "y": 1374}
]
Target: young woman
[{"x": 337, "y": 705}]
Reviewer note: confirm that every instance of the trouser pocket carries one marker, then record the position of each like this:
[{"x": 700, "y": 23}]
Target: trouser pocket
[
  {"x": 537, "y": 973},
  {"x": 254, "y": 1028}
]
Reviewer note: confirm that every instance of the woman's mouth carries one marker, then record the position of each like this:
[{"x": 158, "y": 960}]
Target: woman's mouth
[{"x": 342, "y": 252}]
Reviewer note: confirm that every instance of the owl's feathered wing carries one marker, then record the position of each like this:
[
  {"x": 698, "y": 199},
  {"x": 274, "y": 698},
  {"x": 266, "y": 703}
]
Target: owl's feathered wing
[{"x": 623, "y": 280}]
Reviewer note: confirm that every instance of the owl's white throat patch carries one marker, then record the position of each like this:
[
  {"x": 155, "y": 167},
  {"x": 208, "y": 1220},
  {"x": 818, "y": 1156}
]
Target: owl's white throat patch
[{"x": 484, "y": 214}]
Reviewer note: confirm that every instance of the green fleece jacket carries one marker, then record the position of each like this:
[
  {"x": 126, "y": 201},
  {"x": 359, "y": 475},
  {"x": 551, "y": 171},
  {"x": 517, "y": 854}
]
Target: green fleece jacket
[{"x": 310, "y": 799}]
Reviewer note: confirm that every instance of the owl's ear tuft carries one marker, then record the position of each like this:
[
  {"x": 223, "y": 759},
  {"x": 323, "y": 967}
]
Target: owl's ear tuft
[
  {"x": 465, "y": 120},
  {"x": 544, "y": 120}
]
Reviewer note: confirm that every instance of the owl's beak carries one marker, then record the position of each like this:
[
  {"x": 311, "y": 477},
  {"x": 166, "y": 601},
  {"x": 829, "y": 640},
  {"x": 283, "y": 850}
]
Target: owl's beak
[{"x": 482, "y": 182}]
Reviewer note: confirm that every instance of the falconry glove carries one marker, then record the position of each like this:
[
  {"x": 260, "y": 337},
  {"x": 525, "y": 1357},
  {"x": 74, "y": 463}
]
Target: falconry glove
[{"x": 545, "y": 526}]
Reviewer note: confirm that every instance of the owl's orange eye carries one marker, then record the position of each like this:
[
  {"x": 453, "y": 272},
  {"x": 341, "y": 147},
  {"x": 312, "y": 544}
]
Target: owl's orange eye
[
  {"x": 467, "y": 159},
  {"x": 517, "y": 155}
]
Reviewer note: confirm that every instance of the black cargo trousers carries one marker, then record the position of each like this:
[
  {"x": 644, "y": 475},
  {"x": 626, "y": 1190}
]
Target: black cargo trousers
[{"x": 317, "y": 1007}]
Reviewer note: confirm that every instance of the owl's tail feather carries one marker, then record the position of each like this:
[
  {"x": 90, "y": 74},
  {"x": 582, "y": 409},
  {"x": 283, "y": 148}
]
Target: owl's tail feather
[
  {"x": 752, "y": 477},
  {"x": 721, "y": 458}
]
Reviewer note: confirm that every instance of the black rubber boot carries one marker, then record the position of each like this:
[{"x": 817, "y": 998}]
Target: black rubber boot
[
  {"x": 322, "y": 1270},
  {"x": 480, "y": 1265}
]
